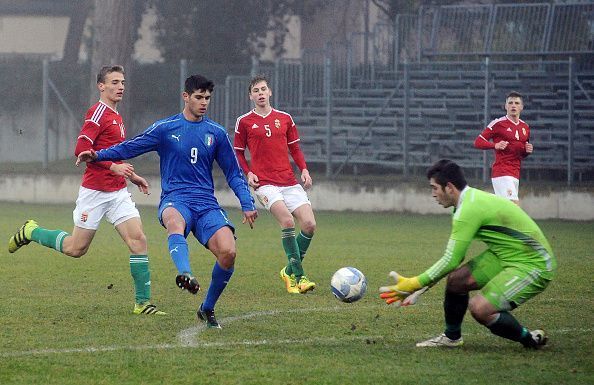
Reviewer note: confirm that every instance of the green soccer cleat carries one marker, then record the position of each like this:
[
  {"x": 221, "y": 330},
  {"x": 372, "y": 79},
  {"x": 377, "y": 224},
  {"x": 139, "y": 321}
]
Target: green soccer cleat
[
  {"x": 147, "y": 309},
  {"x": 290, "y": 282},
  {"x": 305, "y": 285},
  {"x": 22, "y": 237},
  {"x": 441, "y": 341}
]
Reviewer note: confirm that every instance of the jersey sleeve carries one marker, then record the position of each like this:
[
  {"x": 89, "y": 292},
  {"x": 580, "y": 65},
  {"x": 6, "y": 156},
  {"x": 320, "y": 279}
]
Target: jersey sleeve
[
  {"x": 297, "y": 155},
  {"x": 140, "y": 144},
  {"x": 464, "y": 227},
  {"x": 239, "y": 145},
  {"x": 293, "y": 144},
  {"x": 88, "y": 133},
  {"x": 525, "y": 154},
  {"x": 227, "y": 161},
  {"x": 483, "y": 141}
]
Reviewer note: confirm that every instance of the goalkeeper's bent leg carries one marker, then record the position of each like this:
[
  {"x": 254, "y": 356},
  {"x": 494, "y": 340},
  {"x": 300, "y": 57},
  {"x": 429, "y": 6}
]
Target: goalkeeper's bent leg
[
  {"x": 506, "y": 326},
  {"x": 454, "y": 306}
]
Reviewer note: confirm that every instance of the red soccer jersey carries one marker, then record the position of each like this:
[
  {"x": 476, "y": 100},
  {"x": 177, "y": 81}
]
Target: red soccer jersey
[
  {"x": 507, "y": 162},
  {"x": 103, "y": 128},
  {"x": 269, "y": 139}
]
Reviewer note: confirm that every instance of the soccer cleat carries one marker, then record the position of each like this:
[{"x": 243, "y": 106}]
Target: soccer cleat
[
  {"x": 148, "y": 309},
  {"x": 290, "y": 282},
  {"x": 22, "y": 237},
  {"x": 305, "y": 285},
  {"x": 441, "y": 340},
  {"x": 539, "y": 338},
  {"x": 208, "y": 316},
  {"x": 186, "y": 282}
]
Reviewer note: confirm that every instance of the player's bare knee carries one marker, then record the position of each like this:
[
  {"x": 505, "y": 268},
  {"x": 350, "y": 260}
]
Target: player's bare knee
[
  {"x": 75, "y": 252},
  {"x": 226, "y": 257},
  {"x": 456, "y": 284},
  {"x": 479, "y": 310},
  {"x": 137, "y": 244},
  {"x": 308, "y": 227},
  {"x": 287, "y": 222}
]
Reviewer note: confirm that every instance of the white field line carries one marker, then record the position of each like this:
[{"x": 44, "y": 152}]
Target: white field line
[{"x": 187, "y": 337}]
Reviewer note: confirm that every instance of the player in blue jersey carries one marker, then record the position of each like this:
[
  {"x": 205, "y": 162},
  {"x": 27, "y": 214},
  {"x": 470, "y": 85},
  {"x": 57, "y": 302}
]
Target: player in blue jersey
[{"x": 188, "y": 143}]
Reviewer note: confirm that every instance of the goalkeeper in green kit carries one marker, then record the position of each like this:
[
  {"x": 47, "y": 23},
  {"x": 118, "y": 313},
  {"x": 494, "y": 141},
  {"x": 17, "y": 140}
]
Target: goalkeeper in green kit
[{"x": 517, "y": 264}]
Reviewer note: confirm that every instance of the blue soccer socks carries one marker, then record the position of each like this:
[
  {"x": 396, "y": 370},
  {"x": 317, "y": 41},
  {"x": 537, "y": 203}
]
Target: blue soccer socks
[
  {"x": 178, "y": 249},
  {"x": 220, "y": 279}
]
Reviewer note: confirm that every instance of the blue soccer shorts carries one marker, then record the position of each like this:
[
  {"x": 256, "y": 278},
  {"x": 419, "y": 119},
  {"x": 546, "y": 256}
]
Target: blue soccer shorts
[{"x": 203, "y": 223}]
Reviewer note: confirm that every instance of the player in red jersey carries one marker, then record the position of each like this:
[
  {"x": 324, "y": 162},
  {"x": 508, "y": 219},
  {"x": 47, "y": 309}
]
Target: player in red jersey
[
  {"x": 103, "y": 193},
  {"x": 269, "y": 135},
  {"x": 509, "y": 136}
]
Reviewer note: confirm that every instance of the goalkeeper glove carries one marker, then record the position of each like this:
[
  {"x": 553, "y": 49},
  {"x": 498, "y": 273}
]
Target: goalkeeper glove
[{"x": 402, "y": 289}]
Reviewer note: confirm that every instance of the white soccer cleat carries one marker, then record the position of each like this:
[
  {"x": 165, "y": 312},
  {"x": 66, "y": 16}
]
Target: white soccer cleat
[
  {"x": 441, "y": 340},
  {"x": 539, "y": 337}
]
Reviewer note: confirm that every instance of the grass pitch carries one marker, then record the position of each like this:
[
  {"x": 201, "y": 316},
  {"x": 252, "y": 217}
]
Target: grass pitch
[{"x": 67, "y": 321}]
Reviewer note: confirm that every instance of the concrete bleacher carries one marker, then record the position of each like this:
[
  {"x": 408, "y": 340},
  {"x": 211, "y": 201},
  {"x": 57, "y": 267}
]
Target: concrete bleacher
[{"x": 445, "y": 116}]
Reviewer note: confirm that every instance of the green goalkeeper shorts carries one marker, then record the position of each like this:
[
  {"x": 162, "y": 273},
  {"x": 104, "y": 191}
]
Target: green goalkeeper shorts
[{"x": 506, "y": 287}]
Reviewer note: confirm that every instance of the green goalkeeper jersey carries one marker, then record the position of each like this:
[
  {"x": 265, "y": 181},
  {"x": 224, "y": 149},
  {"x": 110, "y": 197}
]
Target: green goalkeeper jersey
[{"x": 506, "y": 229}]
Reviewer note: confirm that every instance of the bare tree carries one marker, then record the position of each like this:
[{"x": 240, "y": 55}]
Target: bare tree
[
  {"x": 79, "y": 11},
  {"x": 115, "y": 30}
]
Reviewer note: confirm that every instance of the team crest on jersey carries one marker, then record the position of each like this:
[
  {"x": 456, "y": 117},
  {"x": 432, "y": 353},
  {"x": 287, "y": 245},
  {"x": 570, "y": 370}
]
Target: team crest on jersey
[
  {"x": 524, "y": 131},
  {"x": 84, "y": 216},
  {"x": 276, "y": 123},
  {"x": 209, "y": 139}
]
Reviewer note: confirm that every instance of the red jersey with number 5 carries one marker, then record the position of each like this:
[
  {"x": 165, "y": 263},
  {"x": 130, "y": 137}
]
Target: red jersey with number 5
[
  {"x": 508, "y": 161},
  {"x": 103, "y": 128},
  {"x": 269, "y": 140}
]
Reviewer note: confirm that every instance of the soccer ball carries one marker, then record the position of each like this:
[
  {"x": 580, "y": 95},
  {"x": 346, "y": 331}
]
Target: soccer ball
[{"x": 348, "y": 284}]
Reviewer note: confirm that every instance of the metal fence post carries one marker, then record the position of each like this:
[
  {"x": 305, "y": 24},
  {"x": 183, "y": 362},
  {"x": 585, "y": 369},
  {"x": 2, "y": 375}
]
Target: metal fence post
[
  {"x": 227, "y": 100},
  {"x": 405, "y": 160},
  {"x": 419, "y": 34},
  {"x": 570, "y": 122},
  {"x": 301, "y": 80},
  {"x": 44, "y": 112},
  {"x": 328, "y": 92},
  {"x": 349, "y": 64},
  {"x": 276, "y": 82},
  {"x": 396, "y": 43},
  {"x": 183, "y": 74},
  {"x": 487, "y": 117}
]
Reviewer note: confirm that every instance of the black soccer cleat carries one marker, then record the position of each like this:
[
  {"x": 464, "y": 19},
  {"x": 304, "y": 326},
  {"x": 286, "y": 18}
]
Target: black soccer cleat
[
  {"x": 187, "y": 282},
  {"x": 208, "y": 316}
]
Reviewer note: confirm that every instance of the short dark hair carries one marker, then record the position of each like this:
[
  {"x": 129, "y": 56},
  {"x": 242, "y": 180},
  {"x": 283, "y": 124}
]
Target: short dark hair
[
  {"x": 105, "y": 70},
  {"x": 255, "y": 80},
  {"x": 198, "y": 83},
  {"x": 515, "y": 94},
  {"x": 444, "y": 171}
]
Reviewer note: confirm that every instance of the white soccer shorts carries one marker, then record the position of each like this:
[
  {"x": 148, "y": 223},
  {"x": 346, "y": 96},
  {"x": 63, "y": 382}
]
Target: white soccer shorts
[
  {"x": 92, "y": 205},
  {"x": 294, "y": 196},
  {"x": 506, "y": 186}
]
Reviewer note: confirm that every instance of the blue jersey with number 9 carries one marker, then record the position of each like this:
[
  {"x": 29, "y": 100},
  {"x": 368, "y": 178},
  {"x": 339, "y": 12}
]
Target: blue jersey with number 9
[{"x": 187, "y": 151}]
